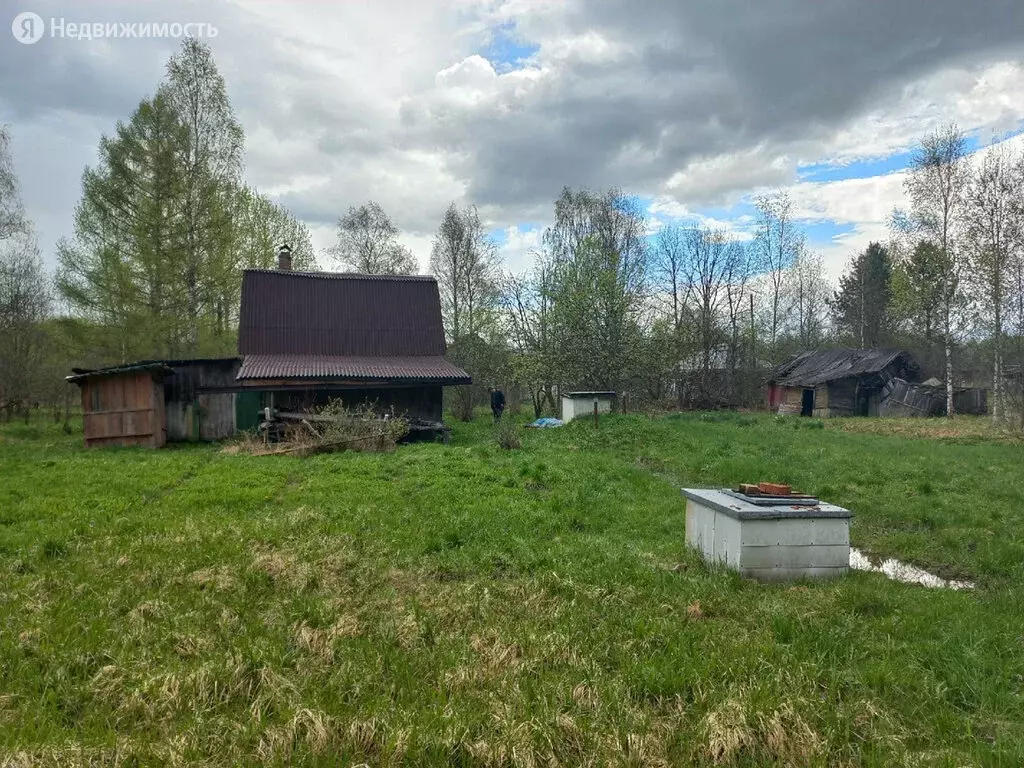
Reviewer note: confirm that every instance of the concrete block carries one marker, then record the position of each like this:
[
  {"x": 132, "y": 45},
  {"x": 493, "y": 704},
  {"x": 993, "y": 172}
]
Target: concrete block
[{"x": 769, "y": 543}]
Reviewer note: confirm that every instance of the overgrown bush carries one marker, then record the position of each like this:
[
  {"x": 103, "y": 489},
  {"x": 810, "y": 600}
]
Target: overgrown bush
[
  {"x": 331, "y": 427},
  {"x": 506, "y": 435}
]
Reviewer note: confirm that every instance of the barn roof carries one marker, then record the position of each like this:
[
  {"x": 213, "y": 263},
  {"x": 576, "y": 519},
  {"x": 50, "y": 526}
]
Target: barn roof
[
  {"x": 309, "y": 325},
  {"x": 818, "y": 367}
]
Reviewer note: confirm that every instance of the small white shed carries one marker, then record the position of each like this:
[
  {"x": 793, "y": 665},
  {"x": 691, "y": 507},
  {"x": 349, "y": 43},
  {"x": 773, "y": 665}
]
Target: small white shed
[{"x": 579, "y": 404}]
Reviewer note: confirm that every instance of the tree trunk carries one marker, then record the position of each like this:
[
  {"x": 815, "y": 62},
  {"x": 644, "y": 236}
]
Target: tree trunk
[{"x": 948, "y": 349}]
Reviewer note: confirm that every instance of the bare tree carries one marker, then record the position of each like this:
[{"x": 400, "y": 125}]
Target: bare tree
[
  {"x": 994, "y": 216},
  {"x": 809, "y": 294},
  {"x": 706, "y": 267},
  {"x": 936, "y": 182},
  {"x": 465, "y": 262},
  {"x": 528, "y": 301},
  {"x": 737, "y": 277},
  {"x": 25, "y": 299},
  {"x": 778, "y": 245},
  {"x": 368, "y": 243},
  {"x": 12, "y": 214},
  {"x": 671, "y": 289}
]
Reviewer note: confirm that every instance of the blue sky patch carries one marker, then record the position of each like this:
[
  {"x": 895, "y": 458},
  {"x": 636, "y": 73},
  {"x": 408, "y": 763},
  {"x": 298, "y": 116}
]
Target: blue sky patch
[{"x": 506, "y": 50}]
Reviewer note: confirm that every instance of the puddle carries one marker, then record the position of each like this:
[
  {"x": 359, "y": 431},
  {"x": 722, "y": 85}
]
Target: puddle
[{"x": 909, "y": 574}]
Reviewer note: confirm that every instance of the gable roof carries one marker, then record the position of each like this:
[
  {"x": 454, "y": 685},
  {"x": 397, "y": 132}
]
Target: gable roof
[
  {"x": 327, "y": 313},
  {"x": 332, "y": 325},
  {"x": 818, "y": 367}
]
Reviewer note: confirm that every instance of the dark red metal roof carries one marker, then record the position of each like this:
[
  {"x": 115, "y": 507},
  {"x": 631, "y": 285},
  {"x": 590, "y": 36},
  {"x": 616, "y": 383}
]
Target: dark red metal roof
[
  {"x": 415, "y": 368},
  {"x": 339, "y": 314}
]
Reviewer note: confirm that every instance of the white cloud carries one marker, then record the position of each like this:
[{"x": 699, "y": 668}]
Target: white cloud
[
  {"x": 865, "y": 203},
  {"x": 518, "y": 249},
  {"x": 666, "y": 210}
]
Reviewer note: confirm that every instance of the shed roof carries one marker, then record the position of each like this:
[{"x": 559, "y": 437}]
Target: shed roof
[
  {"x": 81, "y": 374},
  {"x": 339, "y": 314},
  {"x": 818, "y": 367}
]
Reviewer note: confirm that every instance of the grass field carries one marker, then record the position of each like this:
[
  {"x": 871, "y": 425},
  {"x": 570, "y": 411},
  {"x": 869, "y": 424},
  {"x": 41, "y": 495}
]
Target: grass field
[{"x": 464, "y": 605}]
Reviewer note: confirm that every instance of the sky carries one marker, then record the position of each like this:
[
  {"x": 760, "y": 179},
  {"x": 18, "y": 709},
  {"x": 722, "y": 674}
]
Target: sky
[{"x": 693, "y": 107}]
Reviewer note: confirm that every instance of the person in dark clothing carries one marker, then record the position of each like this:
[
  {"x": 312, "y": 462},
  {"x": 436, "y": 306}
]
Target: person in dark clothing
[{"x": 497, "y": 402}]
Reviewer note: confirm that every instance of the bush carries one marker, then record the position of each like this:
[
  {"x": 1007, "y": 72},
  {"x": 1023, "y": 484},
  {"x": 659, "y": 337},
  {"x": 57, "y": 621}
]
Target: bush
[
  {"x": 331, "y": 427},
  {"x": 506, "y": 435}
]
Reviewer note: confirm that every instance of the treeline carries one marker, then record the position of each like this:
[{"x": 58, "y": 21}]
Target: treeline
[
  {"x": 688, "y": 316},
  {"x": 673, "y": 316},
  {"x": 694, "y": 317}
]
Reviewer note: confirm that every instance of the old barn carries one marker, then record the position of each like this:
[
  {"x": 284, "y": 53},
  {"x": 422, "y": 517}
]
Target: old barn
[{"x": 842, "y": 382}]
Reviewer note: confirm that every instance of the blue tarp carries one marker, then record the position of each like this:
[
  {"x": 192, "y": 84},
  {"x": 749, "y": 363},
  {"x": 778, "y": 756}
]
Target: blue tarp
[{"x": 547, "y": 422}]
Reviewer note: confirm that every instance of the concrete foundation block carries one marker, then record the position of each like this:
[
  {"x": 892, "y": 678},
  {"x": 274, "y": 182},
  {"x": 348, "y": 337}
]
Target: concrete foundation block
[{"x": 768, "y": 543}]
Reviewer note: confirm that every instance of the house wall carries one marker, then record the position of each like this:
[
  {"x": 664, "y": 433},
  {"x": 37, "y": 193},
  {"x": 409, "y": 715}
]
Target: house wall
[
  {"x": 790, "y": 400},
  {"x": 123, "y": 410}
]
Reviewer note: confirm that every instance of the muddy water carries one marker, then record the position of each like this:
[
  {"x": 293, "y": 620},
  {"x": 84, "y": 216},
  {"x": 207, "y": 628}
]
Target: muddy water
[{"x": 900, "y": 571}]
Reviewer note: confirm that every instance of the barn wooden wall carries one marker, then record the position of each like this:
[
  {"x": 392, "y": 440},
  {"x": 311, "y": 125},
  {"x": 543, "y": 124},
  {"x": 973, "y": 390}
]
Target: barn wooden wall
[
  {"x": 193, "y": 412},
  {"x": 126, "y": 409}
]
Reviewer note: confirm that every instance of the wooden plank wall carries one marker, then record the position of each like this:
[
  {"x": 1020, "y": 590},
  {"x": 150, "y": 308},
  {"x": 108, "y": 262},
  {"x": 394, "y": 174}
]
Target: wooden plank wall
[
  {"x": 791, "y": 401},
  {"x": 192, "y": 412},
  {"x": 123, "y": 410}
]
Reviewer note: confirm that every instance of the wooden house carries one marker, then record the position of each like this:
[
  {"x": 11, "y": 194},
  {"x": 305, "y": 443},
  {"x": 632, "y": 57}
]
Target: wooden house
[
  {"x": 309, "y": 337},
  {"x": 304, "y": 338}
]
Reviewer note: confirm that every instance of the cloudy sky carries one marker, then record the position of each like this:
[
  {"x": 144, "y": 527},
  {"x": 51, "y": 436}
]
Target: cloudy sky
[{"x": 693, "y": 106}]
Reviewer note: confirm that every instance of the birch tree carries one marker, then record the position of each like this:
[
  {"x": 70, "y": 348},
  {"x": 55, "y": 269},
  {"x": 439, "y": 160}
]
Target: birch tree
[
  {"x": 12, "y": 212},
  {"x": 25, "y": 299},
  {"x": 211, "y": 169},
  {"x": 936, "y": 182},
  {"x": 465, "y": 262},
  {"x": 778, "y": 245},
  {"x": 809, "y": 293},
  {"x": 993, "y": 208}
]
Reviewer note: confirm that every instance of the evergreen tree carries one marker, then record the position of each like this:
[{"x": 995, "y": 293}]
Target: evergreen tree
[{"x": 861, "y": 305}]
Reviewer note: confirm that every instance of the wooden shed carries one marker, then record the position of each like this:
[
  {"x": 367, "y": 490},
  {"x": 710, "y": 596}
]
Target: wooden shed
[
  {"x": 153, "y": 402},
  {"x": 124, "y": 405}
]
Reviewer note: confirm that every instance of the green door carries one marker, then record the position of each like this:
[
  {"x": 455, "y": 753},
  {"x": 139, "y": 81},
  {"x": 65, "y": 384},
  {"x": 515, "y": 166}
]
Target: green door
[{"x": 248, "y": 405}]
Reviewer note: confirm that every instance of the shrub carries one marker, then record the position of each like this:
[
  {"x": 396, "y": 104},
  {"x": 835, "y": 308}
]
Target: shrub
[
  {"x": 507, "y": 435},
  {"x": 331, "y": 427}
]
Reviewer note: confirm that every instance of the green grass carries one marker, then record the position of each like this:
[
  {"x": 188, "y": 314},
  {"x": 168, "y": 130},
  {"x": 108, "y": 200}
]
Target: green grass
[{"x": 466, "y": 605}]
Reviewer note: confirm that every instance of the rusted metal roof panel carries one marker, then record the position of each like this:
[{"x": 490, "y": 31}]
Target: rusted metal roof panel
[
  {"x": 417, "y": 368},
  {"x": 338, "y": 314}
]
